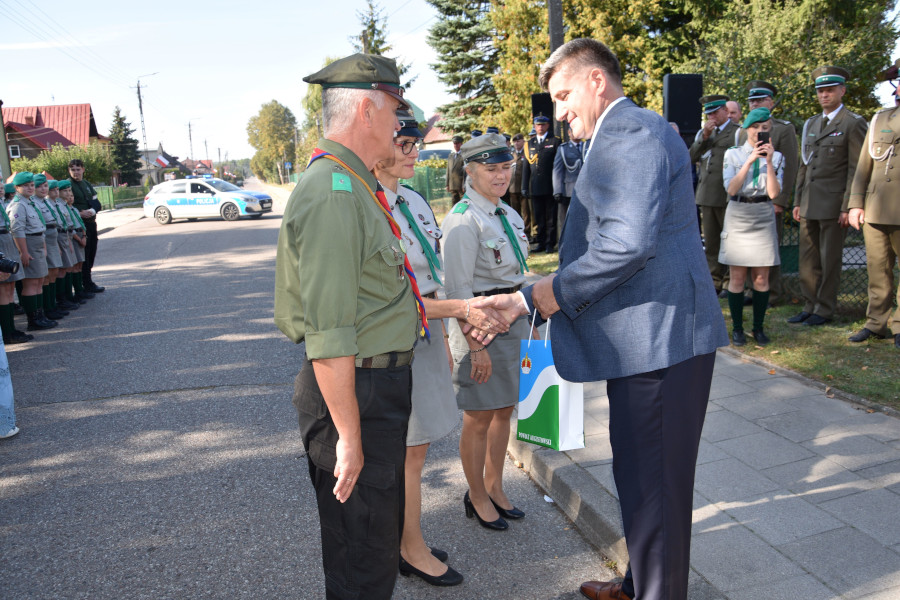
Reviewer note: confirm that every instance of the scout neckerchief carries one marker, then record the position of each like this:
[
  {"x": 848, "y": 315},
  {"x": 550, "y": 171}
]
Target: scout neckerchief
[
  {"x": 38, "y": 211},
  {"x": 75, "y": 214},
  {"x": 55, "y": 212},
  {"x": 430, "y": 254},
  {"x": 513, "y": 240},
  {"x": 5, "y": 216},
  {"x": 382, "y": 203}
]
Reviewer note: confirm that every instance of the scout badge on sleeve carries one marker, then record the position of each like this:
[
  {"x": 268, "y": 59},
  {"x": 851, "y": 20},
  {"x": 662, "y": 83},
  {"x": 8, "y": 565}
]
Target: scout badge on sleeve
[{"x": 551, "y": 409}]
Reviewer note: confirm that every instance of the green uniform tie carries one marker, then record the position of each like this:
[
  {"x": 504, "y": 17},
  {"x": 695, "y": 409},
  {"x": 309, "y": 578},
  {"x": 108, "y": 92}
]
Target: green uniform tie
[
  {"x": 512, "y": 238},
  {"x": 75, "y": 214},
  {"x": 55, "y": 211},
  {"x": 5, "y": 216},
  {"x": 430, "y": 254},
  {"x": 38, "y": 211}
]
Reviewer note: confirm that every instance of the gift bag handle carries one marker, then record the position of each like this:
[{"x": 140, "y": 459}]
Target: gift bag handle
[{"x": 531, "y": 331}]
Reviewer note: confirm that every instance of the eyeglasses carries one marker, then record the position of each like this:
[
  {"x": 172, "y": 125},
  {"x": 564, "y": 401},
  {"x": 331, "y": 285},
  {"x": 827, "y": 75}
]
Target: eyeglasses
[{"x": 406, "y": 147}]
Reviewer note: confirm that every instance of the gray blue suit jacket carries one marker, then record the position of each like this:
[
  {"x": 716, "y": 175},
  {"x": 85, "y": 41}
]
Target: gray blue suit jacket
[{"x": 634, "y": 290}]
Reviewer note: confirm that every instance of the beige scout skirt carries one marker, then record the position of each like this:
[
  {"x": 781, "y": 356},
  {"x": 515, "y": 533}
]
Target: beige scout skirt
[
  {"x": 79, "y": 251},
  {"x": 54, "y": 259},
  {"x": 749, "y": 238},
  {"x": 434, "y": 413},
  {"x": 11, "y": 252},
  {"x": 502, "y": 389},
  {"x": 66, "y": 252},
  {"x": 37, "y": 267}
]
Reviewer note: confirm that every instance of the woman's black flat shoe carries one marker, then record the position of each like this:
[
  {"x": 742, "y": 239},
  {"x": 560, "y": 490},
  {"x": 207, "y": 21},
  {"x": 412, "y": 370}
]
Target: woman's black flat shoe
[
  {"x": 449, "y": 578},
  {"x": 498, "y": 525},
  {"x": 513, "y": 513},
  {"x": 439, "y": 554}
]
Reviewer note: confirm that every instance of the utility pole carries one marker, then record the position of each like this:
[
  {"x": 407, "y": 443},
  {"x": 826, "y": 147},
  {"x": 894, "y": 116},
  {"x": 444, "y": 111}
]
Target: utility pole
[
  {"x": 191, "y": 139},
  {"x": 143, "y": 129},
  {"x": 207, "y": 150}
]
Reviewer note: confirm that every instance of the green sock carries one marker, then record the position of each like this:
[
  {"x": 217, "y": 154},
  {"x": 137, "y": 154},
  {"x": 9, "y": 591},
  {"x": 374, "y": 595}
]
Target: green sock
[
  {"x": 7, "y": 319},
  {"x": 77, "y": 281},
  {"x": 760, "y": 304},
  {"x": 736, "y": 305},
  {"x": 50, "y": 296},
  {"x": 60, "y": 289},
  {"x": 30, "y": 304},
  {"x": 67, "y": 282},
  {"x": 19, "y": 285}
]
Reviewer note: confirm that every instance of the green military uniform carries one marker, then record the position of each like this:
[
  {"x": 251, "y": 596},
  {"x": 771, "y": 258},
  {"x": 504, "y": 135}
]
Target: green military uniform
[
  {"x": 828, "y": 156},
  {"x": 711, "y": 196},
  {"x": 876, "y": 189},
  {"x": 455, "y": 175}
]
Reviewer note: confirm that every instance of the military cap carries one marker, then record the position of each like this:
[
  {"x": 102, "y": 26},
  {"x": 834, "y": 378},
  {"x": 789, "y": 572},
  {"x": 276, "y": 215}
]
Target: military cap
[
  {"x": 760, "y": 89},
  {"x": 492, "y": 130},
  {"x": 489, "y": 148},
  {"x": 476, "y": 133},
  {"x": 9, "y": 188},
  {"x": 507, "y": 136},
  {"x": 828, "y": 76},
  {"x": 39, "y": 179},
  {"x": 518, "y": 137},
  {"x": 713, "y": 103},
  {"x": 54, "y": 184},
  {"x": 23, "y": 178},
  {"x": 65, "y": 183},
  {"x": 757, "y": 115},
  {"x": 457, "y": 139},
  {"x": 408, "y": 125},
  {"x": 361, "y": 71},
  {"x": 540, "y": 118}
]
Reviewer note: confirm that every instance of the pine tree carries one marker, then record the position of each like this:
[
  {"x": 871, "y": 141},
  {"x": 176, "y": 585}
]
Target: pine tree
[
  {"x": 462, "y": 38},
  {"x": 124, "y": 149},
  {"x": 373, "y": 39}
]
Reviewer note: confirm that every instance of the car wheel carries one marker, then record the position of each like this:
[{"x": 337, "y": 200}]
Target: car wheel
[
  {"x": 256, "y": 216},
  {"x": 230, "y": 212},
  {"x": 162, "y": 216}
]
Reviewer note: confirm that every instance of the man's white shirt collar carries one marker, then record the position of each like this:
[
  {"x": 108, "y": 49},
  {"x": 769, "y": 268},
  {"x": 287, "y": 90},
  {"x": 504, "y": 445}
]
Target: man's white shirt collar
[
  {"x": 830, "y": 116},
  {"x": 600, "y": 122}
]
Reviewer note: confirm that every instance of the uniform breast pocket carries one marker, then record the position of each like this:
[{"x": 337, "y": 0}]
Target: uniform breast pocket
[
  {"x": 386, "y": 268},
  {"x": 492, "y": 249}
]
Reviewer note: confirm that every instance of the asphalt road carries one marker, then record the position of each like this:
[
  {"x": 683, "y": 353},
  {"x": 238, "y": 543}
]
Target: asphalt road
[{"x": 159, "y": 455}]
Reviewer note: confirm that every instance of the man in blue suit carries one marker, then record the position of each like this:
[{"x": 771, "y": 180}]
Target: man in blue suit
[{"x": 633, "y": 303}]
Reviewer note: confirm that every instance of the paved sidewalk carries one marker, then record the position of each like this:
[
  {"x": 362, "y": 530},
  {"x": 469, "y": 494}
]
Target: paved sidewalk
[
  {"x": 107, "y": 220},
  {"x": 797, "y": 495}
]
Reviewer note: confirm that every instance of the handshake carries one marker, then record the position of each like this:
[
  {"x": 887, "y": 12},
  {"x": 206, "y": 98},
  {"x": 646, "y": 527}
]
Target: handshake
[{"x": 489, "y": 315}]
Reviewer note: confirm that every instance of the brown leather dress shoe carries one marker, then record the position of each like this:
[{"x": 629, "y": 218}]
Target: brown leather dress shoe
[{"x": 603, "y": 590}]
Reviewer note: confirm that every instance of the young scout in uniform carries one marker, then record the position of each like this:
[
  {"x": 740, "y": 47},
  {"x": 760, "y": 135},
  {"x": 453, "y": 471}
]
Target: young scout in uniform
[
  {"x": 829, "y": 150},
  {"x": 79, "y": 241},
  {"x": 784, "y": 139},
  {"x": 875, "y": 208},
  {"x": 64, "y": 297},
  {"x": 538, "y": 182},
  {"x": 708, "y": 149},
  {"x": 11, "y": 335},
  {"x": 27, "y": 227},
  {"x": 51, "y": 235},
  {"x": 455, "y": 174},
  {"x": 342, "y": 286}
]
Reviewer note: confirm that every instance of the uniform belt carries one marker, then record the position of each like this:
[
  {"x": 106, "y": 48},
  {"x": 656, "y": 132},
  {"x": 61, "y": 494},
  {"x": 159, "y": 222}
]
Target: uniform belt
[
  {"x": 750, "y": 199},
  {"x": 510, "y": 290},
  {"x": 70, "y": 229},
  {"x": 51, "y": 225},
  {"x": 432, "y": 295},
  {"x": 34, "y": 234},
  {"x": 384, "y": 361},
  {"x": 4, "y": 230}
]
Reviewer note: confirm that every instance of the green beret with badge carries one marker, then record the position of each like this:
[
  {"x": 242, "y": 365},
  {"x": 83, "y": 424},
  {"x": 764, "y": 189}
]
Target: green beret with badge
[
  {"x": 39, "y": 179},
  {"x": 829, "y": 76},
  {"x": 489, "y": 148},
  {"x": 757, "y": 115},
  {"x": 361, "y": 71},
  {"x": 713, "y": 102},
  {"x": 23, "y": 178}
]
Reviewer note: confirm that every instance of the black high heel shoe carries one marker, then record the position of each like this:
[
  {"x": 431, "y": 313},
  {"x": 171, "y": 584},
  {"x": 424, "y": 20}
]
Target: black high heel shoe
[
  {"x": 498, "y": 525},
  {"x": 449, "y": 578},
  {"x": 512, "y": 513}
]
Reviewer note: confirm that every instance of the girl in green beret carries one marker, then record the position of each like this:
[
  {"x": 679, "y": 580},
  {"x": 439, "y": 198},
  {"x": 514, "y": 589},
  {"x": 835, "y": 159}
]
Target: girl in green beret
[{"x": 11, "y": 335}]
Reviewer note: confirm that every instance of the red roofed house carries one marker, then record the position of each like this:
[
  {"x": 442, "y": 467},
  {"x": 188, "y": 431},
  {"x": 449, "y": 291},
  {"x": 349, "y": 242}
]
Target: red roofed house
[{"x": 32, "y": 129}]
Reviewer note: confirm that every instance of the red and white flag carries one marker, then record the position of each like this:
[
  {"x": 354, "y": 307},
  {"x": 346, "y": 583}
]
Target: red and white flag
[{"x": 161, "y": 161}]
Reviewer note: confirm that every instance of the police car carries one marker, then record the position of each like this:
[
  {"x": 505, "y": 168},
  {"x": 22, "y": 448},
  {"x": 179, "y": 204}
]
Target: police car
[{"x": 195, "y": 198}]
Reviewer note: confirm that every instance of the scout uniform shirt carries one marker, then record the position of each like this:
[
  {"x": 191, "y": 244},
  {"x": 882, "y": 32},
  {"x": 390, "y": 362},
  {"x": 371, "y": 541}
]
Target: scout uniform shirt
[
  {"x": 710, "y": 153},
  {"x": 828, "y": 160},
  {"x": 429, "y": 273},
  {"x": 784, "y": 140},
  {"x": 876, "y": 182},
  {"x": 478, "y": 256},
  {"x": 340, "y": 283},
  {"x": 51, "y": 219},
  {"x": 755, "y": 181},
  {"x": 25, "y": 217}
]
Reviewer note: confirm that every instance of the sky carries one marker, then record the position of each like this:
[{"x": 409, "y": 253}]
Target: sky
[
  {"x": 213, "y": 64},
  {"x": 210, "y": 64}
]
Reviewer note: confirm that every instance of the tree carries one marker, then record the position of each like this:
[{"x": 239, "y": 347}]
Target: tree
[
  {"x": 373, "y": 39},
  {"x": 55, "y": 161},
  {"x": 311, "y": 129},
  {"x": 271, "y": 132},
  {"x": 462, "y": 38},
  {"x": 783, "y": 42},
  {"x": 124, "y": 150}
]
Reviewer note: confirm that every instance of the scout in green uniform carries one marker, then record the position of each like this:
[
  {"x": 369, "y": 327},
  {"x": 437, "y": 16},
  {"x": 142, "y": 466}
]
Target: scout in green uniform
[
  {"x": 341, "y": 286},
  {"x": 51, "y": 239},
  {"x": 11, "y": 335},
  {"x": 761, "y": 94},
  {"x": 27, "y": 228},
  {"x": 79, "y": 242},
  {"x": 64, "y": 297},
  {"x": 708, "y": 150},
  {"x": 829, "y": 150},
  {"x": 874, "y": 206}
]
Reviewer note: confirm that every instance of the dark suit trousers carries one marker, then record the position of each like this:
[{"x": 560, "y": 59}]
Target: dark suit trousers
[
  {"x": 821, "y": 257},
  {"x": 544, "y": 212},
  {"x": 90, "y": 248},
  {"x": 361, "y": 537},
  {"x": 655, "y": 421}
]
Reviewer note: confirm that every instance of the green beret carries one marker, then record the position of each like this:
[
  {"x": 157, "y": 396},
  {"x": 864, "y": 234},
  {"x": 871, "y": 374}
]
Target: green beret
[
  {"x": 489, "y": 148},
  {"x": 361, "y": 71},
  {"x": 713, "y": 103},
  {"x": 9, "y": 188},
  {"x": 64, "y": 184},
  {"x": 760, "y": 89},
  {"x": 757, "y": 115},
  {"x": 828, "y": 76},
  {"x": 39, "y": 179},
  {"x": 23, "y": 178},
  {"x": 54, "y": 184}
]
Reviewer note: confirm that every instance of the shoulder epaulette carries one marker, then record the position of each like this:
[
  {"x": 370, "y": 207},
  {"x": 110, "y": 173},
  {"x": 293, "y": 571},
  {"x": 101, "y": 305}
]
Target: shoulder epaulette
[
  {"x": 341, "y": 181},
  {"x": 733, "y": 147},
  {"x": 784, "y": 122},
  {"x": 461, "y": 207}
]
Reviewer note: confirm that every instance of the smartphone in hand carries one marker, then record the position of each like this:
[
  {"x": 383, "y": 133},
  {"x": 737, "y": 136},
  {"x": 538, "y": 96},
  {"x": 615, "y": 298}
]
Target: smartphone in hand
[{"x": 762, "y": 138}]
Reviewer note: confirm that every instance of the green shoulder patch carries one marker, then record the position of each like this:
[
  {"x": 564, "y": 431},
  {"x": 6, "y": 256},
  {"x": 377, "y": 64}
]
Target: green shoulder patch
[
  {"x": 340, "y": 182},
  {"x": 460, "y": 208}
]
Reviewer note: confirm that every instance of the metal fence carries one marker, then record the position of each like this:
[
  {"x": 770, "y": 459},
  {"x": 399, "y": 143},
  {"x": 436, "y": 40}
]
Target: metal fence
[
  {"x": 117, "y": 197},
  {"x": 430, "y": 183}
]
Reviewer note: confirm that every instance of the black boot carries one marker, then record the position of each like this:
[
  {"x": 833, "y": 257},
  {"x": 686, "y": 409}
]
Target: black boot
[
  {"x": 55, "y": 314},
  {"x": 37, "y": 321},
  {"x": 17, "y": 337}
]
